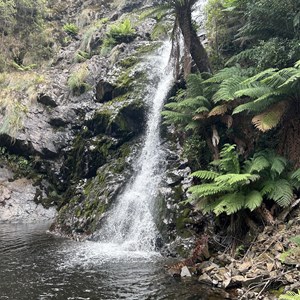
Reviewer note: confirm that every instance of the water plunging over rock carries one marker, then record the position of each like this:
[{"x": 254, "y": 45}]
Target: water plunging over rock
[{"x": 130, "y": 223}]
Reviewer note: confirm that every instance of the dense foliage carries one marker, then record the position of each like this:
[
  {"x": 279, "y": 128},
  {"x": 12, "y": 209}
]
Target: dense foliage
[
  {"x": 25, "y": 38},
  {"x": 255, "y": 47}
]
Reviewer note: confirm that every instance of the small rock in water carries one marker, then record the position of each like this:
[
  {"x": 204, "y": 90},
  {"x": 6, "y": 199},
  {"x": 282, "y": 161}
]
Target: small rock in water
[{"x": 185, "y": 272}]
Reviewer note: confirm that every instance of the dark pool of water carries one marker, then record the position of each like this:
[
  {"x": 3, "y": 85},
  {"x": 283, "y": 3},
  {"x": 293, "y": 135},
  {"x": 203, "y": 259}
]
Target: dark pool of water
[{"x": 36, "y": 265}]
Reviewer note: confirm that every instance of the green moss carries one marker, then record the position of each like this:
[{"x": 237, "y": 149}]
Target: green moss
[
  {"x": 129, "y": 61},
  {"x": 81, "y": 56},
  {"x": 148, "y": 48}
]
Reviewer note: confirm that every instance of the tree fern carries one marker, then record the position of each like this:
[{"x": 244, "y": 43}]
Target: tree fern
[
  {"x": 226, "y": 73},
  {"x": 227, "y": 89},
  {"x": 271, "y": 95},
  {"x": 218, "y": 110},
  {"x": 270, "y": 118},
  {"x": 255, "y": 91},
  {"x": 234, "y": 186}
]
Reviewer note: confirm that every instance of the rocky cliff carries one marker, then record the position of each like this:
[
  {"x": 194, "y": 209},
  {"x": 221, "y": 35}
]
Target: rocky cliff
[{"x": 80, "y": 119}]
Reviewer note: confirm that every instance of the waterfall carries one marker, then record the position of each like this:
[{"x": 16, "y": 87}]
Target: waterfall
[{"x": 130, "y": 224}]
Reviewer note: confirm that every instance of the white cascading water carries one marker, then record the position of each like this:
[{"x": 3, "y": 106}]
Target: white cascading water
[{"x": 130, "y": 224}]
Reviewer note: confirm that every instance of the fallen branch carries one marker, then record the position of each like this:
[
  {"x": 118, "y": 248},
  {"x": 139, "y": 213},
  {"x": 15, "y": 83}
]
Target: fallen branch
[{"x": 282, "y": 216}]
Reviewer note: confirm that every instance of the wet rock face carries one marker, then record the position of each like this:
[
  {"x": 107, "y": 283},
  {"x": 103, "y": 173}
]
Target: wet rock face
[
  {"x": 83, "y": 144},
  {"x": 178, "y": 224},
  {"x": 18, "y": 200}
]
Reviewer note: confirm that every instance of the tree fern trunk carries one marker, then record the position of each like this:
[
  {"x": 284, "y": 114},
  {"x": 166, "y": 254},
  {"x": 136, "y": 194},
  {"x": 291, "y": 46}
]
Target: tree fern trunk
[{"x": 191, "y": 41}]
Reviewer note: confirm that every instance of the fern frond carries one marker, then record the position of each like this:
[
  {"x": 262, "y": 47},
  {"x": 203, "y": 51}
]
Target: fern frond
[
  {"x": 203, "y": 174},
  {"x": 229, "y": 161},
  {"x": 257, "y": 164},
  {"x": 290, "y": 82},
  {"x": 279, "y": 78},
  {"x": 229, "y": 204},
  {"x": 253, "y": 200},
  {"x": 192, "y": 125},
  {"x": 278, "y": 164},
  {"x": 190, "y": 103},
  {"x": 268, "y": 187},
  {"x": 208, "y": 189},
  {"x": 228, "y": 88},
  {"x": 236, "y": 179},
  {"x": 253, "y": 92},
  {"x": 282, "y": 193},
  {"x": 296, "y": 175},
  {"x": 173, "y": 117},
  {"x": 260, "y": 76},
  {"x": 225, "y": 74},
  {"x": 202, "y": 109},
  {"x": 219, "y": 110},
  {"x": 194, "y": 84},
  {"x": 270, "y": 119}
]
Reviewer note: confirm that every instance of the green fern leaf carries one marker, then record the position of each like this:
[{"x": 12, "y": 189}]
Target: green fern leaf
[
  {"x": 279, "y": 164},
  {"x": 228, "y": 88},
  {"x": 253, "y": 200},
  {"x": 260, "y": 76},
  {"x": 278, "y": 78},
  {"x": 257, "y": 164},
  {"x": 202, "y": 109},
  {"x": 229, "y": 204},
  {"x": 268, "y": 187},
  {"x": 225, "y": 74},
  {"x": 296, "y": 175},
  {"x": 270, "y": 118},
  {"x": 194, "y": 84},
  {"x": 291, "y": 81},
  {"x": 203, "y": 174},
  {"x": 253, "y": 92},
  {"x": 207, "y": 189},
  {"x": 236, "y": 179},
  {"x": 172, "y": 117},
  {"x": 282, "y": 193},
  {"x": 193, "y": 125}
]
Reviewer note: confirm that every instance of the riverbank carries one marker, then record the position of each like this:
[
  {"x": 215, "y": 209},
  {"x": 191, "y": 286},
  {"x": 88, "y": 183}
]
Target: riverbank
[{"x": 264, "y": 270}]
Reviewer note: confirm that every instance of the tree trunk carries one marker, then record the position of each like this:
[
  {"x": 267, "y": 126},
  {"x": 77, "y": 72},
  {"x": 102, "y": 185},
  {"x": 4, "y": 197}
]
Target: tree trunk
[{"x": 191, "y": 41}]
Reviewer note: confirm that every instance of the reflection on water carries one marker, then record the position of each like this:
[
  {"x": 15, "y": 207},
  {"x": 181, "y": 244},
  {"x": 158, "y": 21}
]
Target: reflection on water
[{"x": 35, "y": 265}]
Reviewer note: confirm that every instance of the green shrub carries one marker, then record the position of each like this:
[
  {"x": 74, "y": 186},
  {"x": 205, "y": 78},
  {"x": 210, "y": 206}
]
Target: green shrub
[
  {"x": 234, "y": 185},
  {"x": 77, "y": 81},
  {"x": 122, "y": 32},
  {"x": 71, "y": 29},
  {"x": 118, "y": 33}
]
